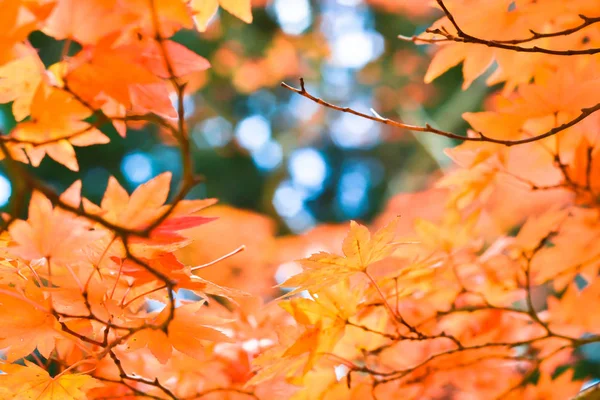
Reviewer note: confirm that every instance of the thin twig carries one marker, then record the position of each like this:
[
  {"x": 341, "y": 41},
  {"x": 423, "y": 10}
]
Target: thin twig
[
  {"x": 585, "y": 112},
  {"x": 463, "y": 37}
]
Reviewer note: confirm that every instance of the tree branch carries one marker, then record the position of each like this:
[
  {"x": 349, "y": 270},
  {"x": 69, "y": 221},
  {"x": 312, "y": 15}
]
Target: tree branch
[
  {"x": 586, "y": 21},
  {"x": 463, "y": 37},
  {"x": 585, "y": 112}
]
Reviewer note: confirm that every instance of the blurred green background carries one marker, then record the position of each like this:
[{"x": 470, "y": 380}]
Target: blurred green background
[{"x": 264, "y": 148}]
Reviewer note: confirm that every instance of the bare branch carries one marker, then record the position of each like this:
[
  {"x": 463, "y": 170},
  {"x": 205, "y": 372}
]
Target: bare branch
[
  {"x": 463, "y": 37},
  {"x": 585, "y": 112}
]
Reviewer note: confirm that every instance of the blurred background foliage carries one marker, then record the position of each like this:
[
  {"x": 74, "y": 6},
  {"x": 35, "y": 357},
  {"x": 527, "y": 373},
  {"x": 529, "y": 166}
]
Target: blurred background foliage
[
  {"x": 263, "y": 148},
  {"x": 266, "y": 149}
]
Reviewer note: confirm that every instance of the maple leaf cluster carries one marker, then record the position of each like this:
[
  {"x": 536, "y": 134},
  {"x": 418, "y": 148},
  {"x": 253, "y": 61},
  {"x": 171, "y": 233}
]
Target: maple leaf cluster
[{"x": 483, "y": 286}]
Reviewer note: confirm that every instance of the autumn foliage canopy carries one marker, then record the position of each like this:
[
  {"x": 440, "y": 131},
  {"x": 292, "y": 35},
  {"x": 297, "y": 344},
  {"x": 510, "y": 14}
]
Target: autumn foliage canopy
[{"x": 484, "y": 286}]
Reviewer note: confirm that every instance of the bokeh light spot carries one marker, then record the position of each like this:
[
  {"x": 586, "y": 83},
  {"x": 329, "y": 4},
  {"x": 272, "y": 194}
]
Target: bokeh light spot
[
  {"x": 355, "y": 49},
  {"x": 137, "y": 167},
  {"x": 287, "y": 200},
  {"x": 293, "y": 16},
  {"x": 268, "y": 156},
  {"x": 308, "y": 168},
  {"x": 5, "y": 190},
  {"x": 253, "y": 132}
]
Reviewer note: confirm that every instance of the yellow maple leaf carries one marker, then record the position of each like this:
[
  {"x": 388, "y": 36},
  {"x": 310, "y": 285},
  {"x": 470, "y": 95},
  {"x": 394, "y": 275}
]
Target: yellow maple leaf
[
  {"x": 19, "y": 80},
  {"x": 32, "y": 382},
  {"x": 336, "y": 302},
  {"x": 204, "y": 10},
  {"x": 315, "y": 342},
  {"x": 360, "y": 250},
  {"x": 301, "y": 355}
]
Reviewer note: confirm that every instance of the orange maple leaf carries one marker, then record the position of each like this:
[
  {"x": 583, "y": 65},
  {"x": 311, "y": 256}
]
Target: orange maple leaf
[
  {"x": 189, "y": 331},
  {"x": 56, "y": 125},
  {"x": 86, "y": 21},
  {"x": 51, "y": 233},
  {"x": 17, "y": 21},
  {"x": 26, "y": 322},
  {"x": 146, "y": 204}
]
